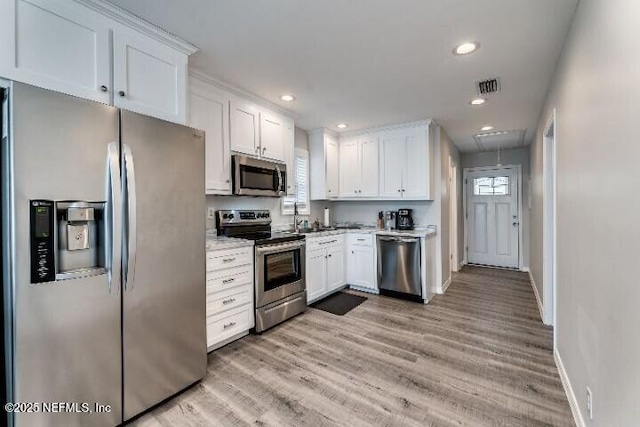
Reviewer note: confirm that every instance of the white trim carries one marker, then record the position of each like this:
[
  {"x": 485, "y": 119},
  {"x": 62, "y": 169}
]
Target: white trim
[
  {"x": 453, "y": 215},
  {"x": 445, "y": 285},
  {"x": 398, "y": 126},
  {"x": 538, "y": 300},
  {"x": 239, "y": 92},
  {"x": 549, "y": 248},
  {"x": 462, "y": 264},
  {"x": 568, "y": 390},
  {"x": 130, "y": 20},
  {"x": 465, "y": 173}
]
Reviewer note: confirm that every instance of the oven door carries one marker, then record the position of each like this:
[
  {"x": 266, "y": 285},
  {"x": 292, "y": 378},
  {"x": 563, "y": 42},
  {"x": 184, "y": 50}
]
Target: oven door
[
  {"x": 280, "y": 271},
  {"x": 254, "y": 177}
]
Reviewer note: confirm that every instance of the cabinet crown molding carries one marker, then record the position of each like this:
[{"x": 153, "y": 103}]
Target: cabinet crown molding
[
  {"x": 132, "y": 21},
  {"x": 398, "y": 126},
  {"x": 199, "y": 75}
]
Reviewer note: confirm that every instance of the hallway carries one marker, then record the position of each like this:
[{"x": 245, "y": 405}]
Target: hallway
[{"x": 477, "y": 356}]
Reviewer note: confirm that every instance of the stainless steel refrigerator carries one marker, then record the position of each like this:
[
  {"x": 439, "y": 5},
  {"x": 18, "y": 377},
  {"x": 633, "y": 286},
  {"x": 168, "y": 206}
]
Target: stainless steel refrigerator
[{"x": 103, "y": 257}]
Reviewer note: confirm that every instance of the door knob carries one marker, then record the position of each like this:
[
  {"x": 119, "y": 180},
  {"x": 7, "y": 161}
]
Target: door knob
[{"x": 121, "y": 93}]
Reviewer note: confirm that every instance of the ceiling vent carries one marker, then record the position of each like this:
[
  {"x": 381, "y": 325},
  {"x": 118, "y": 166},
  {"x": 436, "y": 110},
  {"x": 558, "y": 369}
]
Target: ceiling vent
[{"x": 487, "y": 87}]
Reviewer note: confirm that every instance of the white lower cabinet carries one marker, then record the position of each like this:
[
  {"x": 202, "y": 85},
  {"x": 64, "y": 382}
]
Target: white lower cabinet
[
  {"x": 230, "y": 294},
  {"x": 325, "y": 272},
  {"x": 361, "y": 262}
]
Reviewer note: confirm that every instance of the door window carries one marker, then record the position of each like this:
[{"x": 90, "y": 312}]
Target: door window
[{"x": 491, "y": 186}]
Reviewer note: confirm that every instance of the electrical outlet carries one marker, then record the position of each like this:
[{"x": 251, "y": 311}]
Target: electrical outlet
[
  {"x": 590, "y": 403},
  {"x": 211, "y": 213}
]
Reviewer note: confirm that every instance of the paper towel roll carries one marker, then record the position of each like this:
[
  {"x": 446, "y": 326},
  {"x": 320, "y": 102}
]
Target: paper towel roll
[{"x": 327, "y": 220}]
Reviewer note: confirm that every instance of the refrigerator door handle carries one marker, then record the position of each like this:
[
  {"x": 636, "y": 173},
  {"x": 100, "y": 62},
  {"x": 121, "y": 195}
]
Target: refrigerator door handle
[
  {"x": 130, "y": 246},
  {"x": 113, "y": 221}
]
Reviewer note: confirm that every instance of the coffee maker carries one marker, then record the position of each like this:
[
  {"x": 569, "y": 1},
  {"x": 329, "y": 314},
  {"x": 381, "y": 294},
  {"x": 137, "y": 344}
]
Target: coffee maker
[{"x": 404, "y": 219}]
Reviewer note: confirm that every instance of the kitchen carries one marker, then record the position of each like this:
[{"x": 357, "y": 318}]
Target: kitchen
[{"x": 225, "y": 213}]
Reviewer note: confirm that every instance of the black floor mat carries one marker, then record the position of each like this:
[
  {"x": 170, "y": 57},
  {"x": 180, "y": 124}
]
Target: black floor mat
[{"x": 339, "y": 303}]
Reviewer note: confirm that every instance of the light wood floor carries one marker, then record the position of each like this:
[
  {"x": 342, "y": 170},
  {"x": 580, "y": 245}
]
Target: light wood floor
[{"x": 477, "y": 356}]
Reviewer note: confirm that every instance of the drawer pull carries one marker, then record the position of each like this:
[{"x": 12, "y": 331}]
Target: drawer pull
[
  {"x": 228, "y": 301},
  {"x": 229, "y": 259},
  {"x": 361, "y": 240},
  {"x": 225, "y": 281},
  {"x": 326, "y": 243},
  {"x": 229, "y": 325}
]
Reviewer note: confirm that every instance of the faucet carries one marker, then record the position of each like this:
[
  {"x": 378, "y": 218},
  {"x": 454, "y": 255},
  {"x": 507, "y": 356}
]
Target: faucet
[{"x": 296, "y": 223}]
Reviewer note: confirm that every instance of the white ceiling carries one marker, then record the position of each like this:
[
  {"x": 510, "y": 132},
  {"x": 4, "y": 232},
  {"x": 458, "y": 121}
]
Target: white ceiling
[{"x": 376, "y": 62}]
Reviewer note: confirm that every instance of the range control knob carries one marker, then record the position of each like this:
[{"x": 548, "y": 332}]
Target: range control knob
[
  {"x": 225, "y": 216},
  {"x": 230, "y": 216},
  {"x": 266, "y": 214}
]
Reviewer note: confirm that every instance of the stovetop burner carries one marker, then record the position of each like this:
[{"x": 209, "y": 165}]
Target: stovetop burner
[{"x": 251, "y": 225}]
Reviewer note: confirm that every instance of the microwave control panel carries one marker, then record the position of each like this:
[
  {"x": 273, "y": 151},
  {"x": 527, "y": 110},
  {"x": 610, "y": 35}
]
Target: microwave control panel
[{"x": 42, "y": 216}]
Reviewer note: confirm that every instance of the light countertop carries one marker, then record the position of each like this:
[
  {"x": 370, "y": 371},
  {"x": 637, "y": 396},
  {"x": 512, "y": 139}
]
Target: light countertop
[
  {"x": 418, "y": 232},
  {"x": 215, "y": 243}
]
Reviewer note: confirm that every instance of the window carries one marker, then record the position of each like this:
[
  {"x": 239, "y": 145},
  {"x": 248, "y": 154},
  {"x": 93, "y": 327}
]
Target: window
[
  {"x": 301, "y": 179},
  {"x": 491, "y": 186}
]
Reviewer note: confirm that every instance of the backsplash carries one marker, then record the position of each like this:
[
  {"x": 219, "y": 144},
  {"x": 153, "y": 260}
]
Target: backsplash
[
  {"x": 270, "y": 203},
  {"x": 424, "y": 213}
]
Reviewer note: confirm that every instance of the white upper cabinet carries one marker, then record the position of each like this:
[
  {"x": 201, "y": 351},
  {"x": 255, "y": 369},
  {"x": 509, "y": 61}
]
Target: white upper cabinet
[
  {"x": 359, "y": 167},
  {"x": 245, "y": 127},
  {"x": 290, "y": 155},
  {"x": 406, "y": 163},
  {"x": 325, "y": 167},
  {"x": 57, "y": 45},
  {"x": 96, "y": 53},
  {"x": 209, "y": 111},
  {"x": 349, "y": 168},
  {"x": 148, "y": 77},
  {"x": 272, "y": 135}
]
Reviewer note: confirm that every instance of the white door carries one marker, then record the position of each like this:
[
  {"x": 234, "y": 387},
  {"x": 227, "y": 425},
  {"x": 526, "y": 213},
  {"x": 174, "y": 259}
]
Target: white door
[
  {"x": 349, "y": 168},
  {"x": 209, "y": 111},
  {"x": 333, "y": 168},
  {"x": 335, "y": 267},
  {"x": 369, "y": 168},
  {"x": 360, "y": 267},
  {"x": 316, "y": 274},
  {"x": 57, "y": 45},
  {"x": 392, "y": 149},
  {"x": 271, "y": 137},
  {"x": 244, "y": 127},
  {"x": 415, "y": 180},
  {"x": 148, "y": 77},
  {"x": 492, "y": 217}
]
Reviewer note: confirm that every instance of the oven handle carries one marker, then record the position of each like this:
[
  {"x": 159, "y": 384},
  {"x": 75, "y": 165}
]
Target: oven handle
[{"x": 279, "y": 248}]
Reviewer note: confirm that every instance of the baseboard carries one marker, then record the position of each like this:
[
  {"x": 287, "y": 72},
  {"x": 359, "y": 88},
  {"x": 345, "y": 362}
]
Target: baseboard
[
  {"x": 538, "y": 300},
  {"x": 460, "y": 265},
  {"x": 525, "y": 269},
  {"x": 568, "y": 390},
  {"x": 445, "y": 285}
]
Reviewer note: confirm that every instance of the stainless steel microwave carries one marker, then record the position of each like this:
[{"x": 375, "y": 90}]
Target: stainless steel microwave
[{"x": 255, "y": 177}]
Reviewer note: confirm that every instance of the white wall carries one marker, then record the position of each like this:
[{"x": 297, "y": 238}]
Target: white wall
[
  {"x": 271, "y": 203},
  {"x": 596, "y": 90},
  {"x": 447, "y": 151},
  {"x": 515, "y": 156}
]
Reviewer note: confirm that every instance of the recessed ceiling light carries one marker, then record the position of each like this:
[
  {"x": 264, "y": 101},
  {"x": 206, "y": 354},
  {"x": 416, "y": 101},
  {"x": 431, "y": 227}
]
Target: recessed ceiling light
[
  {"x": 288, "y": 98},
  {"x": 342, "y": 125},
  {"x": 478, "y": 101},
  {"x": 466, "y": 48},
  {"x": 486, "y": 128}
]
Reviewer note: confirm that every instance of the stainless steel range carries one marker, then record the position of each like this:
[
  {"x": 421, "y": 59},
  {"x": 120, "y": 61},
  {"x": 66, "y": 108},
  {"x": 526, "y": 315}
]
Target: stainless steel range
[{"x": 279, "y": 269}]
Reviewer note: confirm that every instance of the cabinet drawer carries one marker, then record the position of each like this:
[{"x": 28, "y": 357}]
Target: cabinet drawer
[
  {"x": 325, "y": 242},
  {"x": 228, "y": 324},
  {"x": 218, "y": 260},
  {"x": 219, "y": 281},
  {"x": 218, "y": 302},
  {"x": 360, "y": 239}
]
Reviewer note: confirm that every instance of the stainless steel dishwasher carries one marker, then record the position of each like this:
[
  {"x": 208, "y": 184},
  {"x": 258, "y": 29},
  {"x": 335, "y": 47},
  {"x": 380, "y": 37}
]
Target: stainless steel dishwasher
[{"x": 399, "y": 267}]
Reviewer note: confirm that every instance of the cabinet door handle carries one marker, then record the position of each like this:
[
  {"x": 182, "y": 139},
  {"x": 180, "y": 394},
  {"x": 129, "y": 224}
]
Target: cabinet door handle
[
  {"x": 329, "y": 255},
  {"x": 122, "y": 93},
  {"x": 264, "y": 149},
  {"x": 228, "y": 325},
  {"x": 399, "y": 191},
  {"x": 227, "y": 181},
  {"x": 103, "y": 88}
]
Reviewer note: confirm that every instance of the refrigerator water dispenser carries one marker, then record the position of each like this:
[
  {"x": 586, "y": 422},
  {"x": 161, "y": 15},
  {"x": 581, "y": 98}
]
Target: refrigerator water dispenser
[{"x": 80, "y": 235}]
